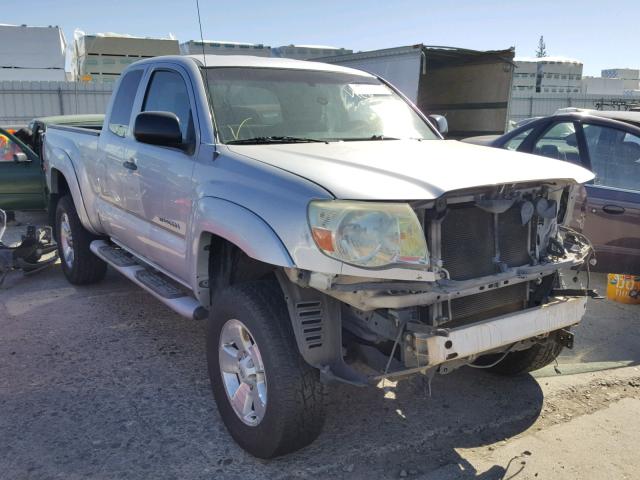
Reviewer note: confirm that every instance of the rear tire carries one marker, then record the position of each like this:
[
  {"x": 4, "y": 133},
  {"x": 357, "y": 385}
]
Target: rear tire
[
  {"x": 534, "y": 358},
  {"x": 292, "y": 414},
  {"x": 79, "y": 264}
]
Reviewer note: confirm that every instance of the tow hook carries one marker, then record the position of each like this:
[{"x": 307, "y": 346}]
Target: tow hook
[{"x": 565, "y": 338}]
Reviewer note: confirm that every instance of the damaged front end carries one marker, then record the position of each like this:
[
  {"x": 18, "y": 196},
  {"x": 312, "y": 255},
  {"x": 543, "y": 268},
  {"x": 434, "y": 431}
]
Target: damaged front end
[{"x": 504, "y": 272}]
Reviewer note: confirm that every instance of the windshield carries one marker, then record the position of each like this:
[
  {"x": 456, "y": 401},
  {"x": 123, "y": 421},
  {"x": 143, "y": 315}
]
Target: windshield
[{"x": 259, "y": 105}]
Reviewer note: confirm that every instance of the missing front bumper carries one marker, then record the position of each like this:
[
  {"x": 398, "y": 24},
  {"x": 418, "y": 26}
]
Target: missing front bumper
[{"x": 472, "y": 340}]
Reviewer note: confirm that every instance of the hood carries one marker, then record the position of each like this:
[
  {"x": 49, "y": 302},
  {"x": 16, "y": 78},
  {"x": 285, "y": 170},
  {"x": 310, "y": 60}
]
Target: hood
[{"x": 408, "y": 169}]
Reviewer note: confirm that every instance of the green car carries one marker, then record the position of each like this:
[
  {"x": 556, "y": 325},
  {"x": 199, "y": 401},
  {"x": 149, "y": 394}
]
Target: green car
[{"x": 22, "y": 184}]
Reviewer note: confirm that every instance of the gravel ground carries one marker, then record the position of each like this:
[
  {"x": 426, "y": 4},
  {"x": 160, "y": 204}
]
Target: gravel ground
[{"x": 105, "y": 382}]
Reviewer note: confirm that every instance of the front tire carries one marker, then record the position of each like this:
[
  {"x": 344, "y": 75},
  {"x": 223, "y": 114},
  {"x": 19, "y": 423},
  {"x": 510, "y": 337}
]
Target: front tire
[
  {"x": 270, "y": 399},
  {"x": 534, "y": 358},
  {"x": 79, "y": 264}
]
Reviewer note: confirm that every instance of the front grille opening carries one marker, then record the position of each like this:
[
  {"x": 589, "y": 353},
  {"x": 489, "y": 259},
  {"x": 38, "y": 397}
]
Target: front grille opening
[{"x": 484, "y": 305}]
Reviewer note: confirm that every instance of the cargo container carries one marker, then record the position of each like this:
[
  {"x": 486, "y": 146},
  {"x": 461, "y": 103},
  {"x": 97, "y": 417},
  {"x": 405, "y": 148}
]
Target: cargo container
[
  {"x": 103, "y": 56},
  {"x": 32, "y": 53},
  {"x": 470, "y": 88}
]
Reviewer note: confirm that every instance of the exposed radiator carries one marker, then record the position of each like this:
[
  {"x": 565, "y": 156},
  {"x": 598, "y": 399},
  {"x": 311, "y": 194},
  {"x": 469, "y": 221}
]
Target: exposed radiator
[
  {"x": 468, "y": 241},
  {"x": 492, "y": 303},
  {"x": 514, "y": 245}
]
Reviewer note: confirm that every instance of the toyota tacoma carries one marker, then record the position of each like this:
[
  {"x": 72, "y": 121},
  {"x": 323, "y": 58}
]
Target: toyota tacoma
[{"x": 323, "y": 227}]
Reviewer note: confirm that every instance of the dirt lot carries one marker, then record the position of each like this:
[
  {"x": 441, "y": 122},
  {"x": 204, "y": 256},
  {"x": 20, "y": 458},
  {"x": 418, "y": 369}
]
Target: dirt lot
[{"x": 105, "y": 382}]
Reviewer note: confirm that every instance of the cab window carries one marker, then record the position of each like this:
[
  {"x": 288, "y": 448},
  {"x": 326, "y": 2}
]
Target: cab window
[
  {"x": 167, "y": 92},
  {"x": 123, "y": 102}
]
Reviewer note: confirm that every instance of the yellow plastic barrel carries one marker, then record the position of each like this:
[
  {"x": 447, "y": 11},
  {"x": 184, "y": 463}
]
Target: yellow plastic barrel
[{"x": 623, "y": 288}]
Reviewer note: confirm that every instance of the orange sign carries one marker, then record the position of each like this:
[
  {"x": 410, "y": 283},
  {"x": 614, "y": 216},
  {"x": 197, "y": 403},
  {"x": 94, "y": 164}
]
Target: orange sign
[{"x": 623, "y": 288}]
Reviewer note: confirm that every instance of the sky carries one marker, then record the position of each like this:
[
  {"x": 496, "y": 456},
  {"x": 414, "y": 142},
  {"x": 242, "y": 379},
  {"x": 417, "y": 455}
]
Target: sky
[{"x": 598, "y": 33}]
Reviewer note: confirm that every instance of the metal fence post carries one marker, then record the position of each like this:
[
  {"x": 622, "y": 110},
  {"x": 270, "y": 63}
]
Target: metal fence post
[{"x": 60, "y": 100}]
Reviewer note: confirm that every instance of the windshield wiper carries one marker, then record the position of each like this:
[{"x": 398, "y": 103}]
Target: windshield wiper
[
  {"x": 366, "y": 139},
  {"x": 274, "y": 139}
]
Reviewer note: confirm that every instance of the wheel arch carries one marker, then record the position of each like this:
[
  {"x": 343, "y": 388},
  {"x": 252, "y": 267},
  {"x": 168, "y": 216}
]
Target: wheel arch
[
  {"x": 58, "y": 187},
  {"x": 227, "y": 234},
  {"x": 62, "y": 181}
]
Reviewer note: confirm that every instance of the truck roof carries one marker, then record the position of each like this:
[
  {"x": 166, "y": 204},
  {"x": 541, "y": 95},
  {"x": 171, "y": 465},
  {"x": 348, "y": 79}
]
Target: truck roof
[{"x": 256, "y": 62}]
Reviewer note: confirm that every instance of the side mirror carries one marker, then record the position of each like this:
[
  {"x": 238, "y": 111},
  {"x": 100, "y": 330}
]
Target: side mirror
[
  {"x": 21, "y": 157},
  {"x": 158, "y": 128},
  {"x": 440, "y": 123}
]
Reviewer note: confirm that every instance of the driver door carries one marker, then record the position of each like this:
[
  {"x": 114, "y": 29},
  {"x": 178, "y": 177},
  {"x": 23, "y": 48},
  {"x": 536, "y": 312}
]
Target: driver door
[{"x": 165, "y": 174}]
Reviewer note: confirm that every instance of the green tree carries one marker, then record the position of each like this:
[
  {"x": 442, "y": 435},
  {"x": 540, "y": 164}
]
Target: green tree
[{"x": 542, "y": 48}]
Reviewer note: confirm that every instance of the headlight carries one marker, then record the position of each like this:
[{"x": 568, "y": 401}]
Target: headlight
[{"x": 368, "y": 234}]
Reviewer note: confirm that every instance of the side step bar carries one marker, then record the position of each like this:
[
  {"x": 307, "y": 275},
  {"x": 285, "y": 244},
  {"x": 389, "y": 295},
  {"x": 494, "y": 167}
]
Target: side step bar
[{"x": 156, "y": 283}]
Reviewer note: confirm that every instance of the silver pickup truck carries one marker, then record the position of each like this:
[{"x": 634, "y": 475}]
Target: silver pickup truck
[{"x": 325, "y": 229}]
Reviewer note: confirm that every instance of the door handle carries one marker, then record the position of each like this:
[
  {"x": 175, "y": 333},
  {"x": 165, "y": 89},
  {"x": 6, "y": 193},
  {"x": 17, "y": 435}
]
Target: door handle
[
  {"x": 130, "y": 165},
  {"x": 613, "y": 209}
]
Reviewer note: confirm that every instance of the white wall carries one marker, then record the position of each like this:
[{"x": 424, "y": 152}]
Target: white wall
[
  {"x": 602, "y": 86},
  {"x": 22, "y": 101}
]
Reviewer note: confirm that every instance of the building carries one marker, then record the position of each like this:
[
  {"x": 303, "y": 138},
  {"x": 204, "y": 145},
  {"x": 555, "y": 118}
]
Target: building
[
  {"x": 525, "y": 75},
  {"x": 307, "y": 52},
  {"x": 547, "y": 75},
  {"x": 602, "y": 86},
  {"x": 630, "y": 77},
  {"x": 213, "y": 47},
  {"x": 102, "y": 57},
  {"x": 32, "y": 53}
]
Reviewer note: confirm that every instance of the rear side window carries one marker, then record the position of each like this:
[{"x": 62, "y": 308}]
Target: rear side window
[
  {"x": 123, "y": 103},
  {"x": 167, "y": 92}
]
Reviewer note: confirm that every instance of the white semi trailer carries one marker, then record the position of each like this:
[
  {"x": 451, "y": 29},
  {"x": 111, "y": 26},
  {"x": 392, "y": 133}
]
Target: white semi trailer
[{"x": 470, "y": 88}]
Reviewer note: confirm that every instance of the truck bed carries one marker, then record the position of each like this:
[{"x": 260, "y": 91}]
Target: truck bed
[{"x": 81, "y": 129}]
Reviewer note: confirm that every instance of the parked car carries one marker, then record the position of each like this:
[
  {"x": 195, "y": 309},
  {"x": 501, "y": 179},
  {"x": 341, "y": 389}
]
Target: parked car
[
  {"x": 22, "y": 185},
  {"x": 608, "y": 143},
  {"x": 309, "y": 210}
]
